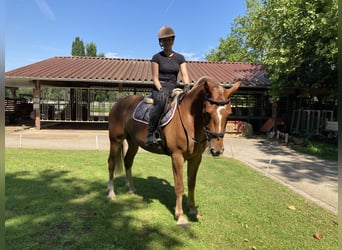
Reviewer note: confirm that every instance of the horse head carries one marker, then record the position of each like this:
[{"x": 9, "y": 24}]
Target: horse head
[{"x": 216, "y": 109}]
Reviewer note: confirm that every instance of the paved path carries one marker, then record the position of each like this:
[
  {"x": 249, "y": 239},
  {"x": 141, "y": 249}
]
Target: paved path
[
  {"x": 314, "y": 178},
  {"x": 309, "y": 176}
]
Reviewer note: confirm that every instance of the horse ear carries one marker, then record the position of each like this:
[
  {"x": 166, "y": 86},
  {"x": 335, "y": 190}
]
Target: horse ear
[
  {"x": 234, "y": 88},
  {"x": 206, "y": 86}
]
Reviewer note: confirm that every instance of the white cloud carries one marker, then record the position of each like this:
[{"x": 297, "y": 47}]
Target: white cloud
[
  {"x": 111, "y": 55},
  {"x": 117, "y": 55},
  {"x": 190, "y": 56},
  {"x": 45, "y": 9}
]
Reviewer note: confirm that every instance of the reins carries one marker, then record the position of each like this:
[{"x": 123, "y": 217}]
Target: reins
[{"x": 186, "y": 130}]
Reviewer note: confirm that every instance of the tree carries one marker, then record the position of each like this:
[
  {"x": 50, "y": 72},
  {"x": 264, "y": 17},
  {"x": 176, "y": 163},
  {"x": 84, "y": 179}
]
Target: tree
[
  {"x": 77, "y": 47},
  {"x": 235, "y": 48},
  {"x": 91, "y": 49},
  {"x": 230, "y": 50},
  {"x": 295, "y": 40}
]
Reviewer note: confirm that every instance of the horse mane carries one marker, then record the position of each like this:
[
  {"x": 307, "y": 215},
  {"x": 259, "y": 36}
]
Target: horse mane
[{"x": 204, "y": 79}]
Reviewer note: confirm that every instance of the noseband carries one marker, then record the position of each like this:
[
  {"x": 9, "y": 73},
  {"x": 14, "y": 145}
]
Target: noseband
[
  {"x": 209, "y": 133},
  {"x": 218, "y": 103}
]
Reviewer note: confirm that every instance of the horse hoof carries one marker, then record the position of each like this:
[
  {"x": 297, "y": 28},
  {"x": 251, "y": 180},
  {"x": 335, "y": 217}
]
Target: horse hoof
[
  {"x": 111, "y": 196},
  {"x": 182, "y": 222},
  {"x": 195, "y": 213},
  {"x": 133, "y": 192}
]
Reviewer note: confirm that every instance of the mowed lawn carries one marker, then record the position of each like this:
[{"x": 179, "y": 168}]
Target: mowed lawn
[{"x": 57, "y": 200}]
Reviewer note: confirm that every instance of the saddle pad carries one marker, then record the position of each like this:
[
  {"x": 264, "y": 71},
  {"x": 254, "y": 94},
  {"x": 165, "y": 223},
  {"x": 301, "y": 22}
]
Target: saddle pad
[{"x": 143, "y": 109}]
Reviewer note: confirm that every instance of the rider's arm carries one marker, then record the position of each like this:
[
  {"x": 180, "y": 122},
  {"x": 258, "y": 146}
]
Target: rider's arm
[
  {"x": 155, "y": 75},
  {"x": 184, "y": 72}
]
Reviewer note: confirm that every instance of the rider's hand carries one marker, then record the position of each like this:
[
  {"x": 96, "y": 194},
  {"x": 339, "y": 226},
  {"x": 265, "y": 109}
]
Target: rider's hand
[{"x": 186, "y": 88}]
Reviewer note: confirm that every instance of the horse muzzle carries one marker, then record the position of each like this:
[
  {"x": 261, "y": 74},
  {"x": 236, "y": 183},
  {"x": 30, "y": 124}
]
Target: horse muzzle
[
  {"x": 216, "y": 147},
  {"x": 215, "y": 152}
]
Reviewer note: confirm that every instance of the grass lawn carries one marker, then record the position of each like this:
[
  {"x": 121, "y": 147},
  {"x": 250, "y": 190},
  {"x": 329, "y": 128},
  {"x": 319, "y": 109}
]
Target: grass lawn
[
  {"x": 320, "y": 149},
  {"x": 57, "y": 200}
]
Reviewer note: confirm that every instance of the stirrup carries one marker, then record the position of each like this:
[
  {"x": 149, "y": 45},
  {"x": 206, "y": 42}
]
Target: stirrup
[{"x": 152, "y": 139}]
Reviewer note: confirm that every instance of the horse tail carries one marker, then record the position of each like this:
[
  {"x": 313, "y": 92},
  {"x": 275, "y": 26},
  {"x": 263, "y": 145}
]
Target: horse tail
[
  {"x": 116, "y": 156},
  {"x": 119, "y": 163}
]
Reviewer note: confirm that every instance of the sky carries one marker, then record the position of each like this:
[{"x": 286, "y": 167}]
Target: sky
[{"x": 40, "y": 29}]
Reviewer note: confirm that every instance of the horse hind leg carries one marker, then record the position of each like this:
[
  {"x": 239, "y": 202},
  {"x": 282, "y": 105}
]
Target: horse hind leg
[
  {"x": 129, "y": 157},
  {"x": 114, "y": 165}
]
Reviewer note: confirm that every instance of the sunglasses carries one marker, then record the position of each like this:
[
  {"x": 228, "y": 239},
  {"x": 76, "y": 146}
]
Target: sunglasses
[{"x": 169, "y": 39}]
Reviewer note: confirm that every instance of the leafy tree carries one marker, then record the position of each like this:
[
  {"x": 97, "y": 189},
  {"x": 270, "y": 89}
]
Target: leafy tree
[
  {"x": 235, "y": 48},
  {"x": 230, "y": 50},
  {"x": 91, "y": 49},
  {"x": 77, "y": 47},
  {"x": 295, "y": 40}
]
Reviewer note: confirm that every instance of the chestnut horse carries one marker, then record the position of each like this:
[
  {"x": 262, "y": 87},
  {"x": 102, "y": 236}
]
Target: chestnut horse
[{"x": 199, "y": 121}]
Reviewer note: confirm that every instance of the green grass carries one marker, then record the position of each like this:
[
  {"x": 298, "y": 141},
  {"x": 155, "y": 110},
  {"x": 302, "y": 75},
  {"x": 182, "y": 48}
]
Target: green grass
[
  {"x": 57, "y": 200},
  {"x": 321, "y": 149}
]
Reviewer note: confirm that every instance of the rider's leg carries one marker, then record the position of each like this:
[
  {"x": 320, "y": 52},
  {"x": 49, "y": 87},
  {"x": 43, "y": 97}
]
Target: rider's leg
[{"x": 157, "y": 109}]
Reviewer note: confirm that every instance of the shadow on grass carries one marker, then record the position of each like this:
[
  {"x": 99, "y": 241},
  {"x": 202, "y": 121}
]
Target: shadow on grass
[
  {"x": 55, "y": 210},
  {"x": 154, "y": 188}
]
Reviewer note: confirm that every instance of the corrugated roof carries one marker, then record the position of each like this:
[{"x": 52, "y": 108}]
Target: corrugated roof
[{"x": 101, "y": 69}]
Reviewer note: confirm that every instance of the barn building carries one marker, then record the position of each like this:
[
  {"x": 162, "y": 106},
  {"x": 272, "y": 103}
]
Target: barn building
[{"x": 83, "y": 89}]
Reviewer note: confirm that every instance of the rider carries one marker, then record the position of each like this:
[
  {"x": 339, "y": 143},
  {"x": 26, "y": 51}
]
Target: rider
[{"x": 165, "y": 68}]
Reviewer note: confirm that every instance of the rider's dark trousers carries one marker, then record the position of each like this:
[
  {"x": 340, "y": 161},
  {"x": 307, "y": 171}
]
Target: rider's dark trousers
[{"x": 159, "y": 99}]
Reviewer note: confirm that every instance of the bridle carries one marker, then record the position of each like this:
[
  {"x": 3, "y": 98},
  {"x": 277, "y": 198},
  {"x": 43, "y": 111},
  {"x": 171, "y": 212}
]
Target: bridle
[{"x": 209, "y": 134}]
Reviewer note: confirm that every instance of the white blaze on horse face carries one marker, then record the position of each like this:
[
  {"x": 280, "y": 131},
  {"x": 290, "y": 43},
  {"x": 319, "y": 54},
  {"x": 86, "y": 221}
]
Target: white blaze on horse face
[{"x": 219, "y": 115}]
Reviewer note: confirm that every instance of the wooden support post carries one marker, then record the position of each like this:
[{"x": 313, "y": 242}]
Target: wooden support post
[{"x": 36, "y": 103}]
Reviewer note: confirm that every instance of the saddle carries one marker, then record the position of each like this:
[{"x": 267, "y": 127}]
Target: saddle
[{"x": 143, "y": 109}]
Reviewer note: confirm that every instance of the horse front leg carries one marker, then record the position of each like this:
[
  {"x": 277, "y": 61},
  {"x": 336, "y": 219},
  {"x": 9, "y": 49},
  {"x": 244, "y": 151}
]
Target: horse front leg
[
  {"x": 177, "y": 166},
  {"x": 193, "y": 165}
]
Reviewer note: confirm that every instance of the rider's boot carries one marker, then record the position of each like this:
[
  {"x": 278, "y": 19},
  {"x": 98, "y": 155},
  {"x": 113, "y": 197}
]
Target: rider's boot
[{"x": 152, "y": 125}]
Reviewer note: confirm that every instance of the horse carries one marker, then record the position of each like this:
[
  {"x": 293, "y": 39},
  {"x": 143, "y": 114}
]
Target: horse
[{"x": 199, "y": 122}]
